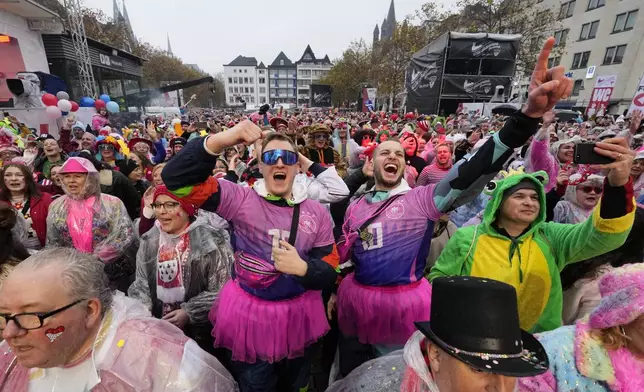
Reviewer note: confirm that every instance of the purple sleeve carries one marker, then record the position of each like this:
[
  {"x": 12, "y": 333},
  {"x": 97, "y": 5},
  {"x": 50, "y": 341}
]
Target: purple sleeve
[
  {"x": 422, "y": 199},
  {"x": 325, "y": 231},
  {"x": 540, "y": 158},
  {"x": 232, "y": 197}
]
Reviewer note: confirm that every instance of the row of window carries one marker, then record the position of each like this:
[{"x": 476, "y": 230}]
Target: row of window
[
  {"x": 623, "y": 22},
  {"x": 613, "y": 55},
  {"x": 248, "y": 99},
  {"x": 235, "y": 80},
  {"x": 566, "y": 10},
  {"x": 247, "y": 90}
]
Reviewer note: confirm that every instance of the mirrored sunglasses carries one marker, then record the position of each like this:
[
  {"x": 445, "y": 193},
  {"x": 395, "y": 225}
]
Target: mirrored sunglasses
[
  {"x": 587, "y": 189},
  {"x": 271, "y": 157}
]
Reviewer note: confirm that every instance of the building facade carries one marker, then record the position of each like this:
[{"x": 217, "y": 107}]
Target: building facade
[
  {"x": 282, "y": 78},
  {"x": 310, "y": 70},
  {"x": 599, "y": 38},
  {"x": 245, "y": 82}
]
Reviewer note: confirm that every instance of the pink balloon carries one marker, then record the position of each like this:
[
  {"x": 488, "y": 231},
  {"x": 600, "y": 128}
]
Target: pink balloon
[
  {"x": 99, "y": 104},
  {"x": 49, "y": 100},
  {"x": 53, "y": 112},
  {"x": 74, "y": 106}
]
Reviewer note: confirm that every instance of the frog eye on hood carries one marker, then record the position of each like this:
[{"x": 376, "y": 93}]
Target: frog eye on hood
[
  {"x": 490, "y": 187},
  {"x": 542, "y": 177}
]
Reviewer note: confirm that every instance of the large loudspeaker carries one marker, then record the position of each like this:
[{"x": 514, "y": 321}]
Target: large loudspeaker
[{"x": 460, "y": 67}]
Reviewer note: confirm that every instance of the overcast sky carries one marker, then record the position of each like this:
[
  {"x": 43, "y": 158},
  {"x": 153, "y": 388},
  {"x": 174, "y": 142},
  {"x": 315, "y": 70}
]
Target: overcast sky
[{"x": 211, "y": 33}]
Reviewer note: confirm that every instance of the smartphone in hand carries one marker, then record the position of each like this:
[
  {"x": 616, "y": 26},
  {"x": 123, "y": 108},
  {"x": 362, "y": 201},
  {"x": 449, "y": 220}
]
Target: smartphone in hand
[{"x": 585, "y": 154}]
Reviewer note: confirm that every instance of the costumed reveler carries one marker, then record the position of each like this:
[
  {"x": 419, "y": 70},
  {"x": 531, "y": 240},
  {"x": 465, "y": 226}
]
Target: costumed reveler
[
  {"x": 92, "y": 222},
  {"x": 320, "y": 151},
  {"x": 387, "y": 232},
  {"x": 269, "y": 314}
]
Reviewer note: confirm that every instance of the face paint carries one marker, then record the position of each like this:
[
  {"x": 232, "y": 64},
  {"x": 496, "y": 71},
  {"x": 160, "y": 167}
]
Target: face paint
[{"x": 54, "y": 333}]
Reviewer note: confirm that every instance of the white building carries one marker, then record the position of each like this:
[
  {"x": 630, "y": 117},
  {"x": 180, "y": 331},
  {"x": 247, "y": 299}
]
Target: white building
[
  {"x": 599, "y": 38},
  {"x": 309, "y": 71},
  {"x": 21, "y": 44},
  {"x": 245, "y": 80}
]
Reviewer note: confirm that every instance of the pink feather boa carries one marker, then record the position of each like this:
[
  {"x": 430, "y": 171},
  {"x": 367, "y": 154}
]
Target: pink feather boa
[{"x": 629, "y": 371}]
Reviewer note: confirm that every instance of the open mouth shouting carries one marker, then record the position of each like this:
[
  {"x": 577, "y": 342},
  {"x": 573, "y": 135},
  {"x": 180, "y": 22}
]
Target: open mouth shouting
[{"x": 279, "y": 176}]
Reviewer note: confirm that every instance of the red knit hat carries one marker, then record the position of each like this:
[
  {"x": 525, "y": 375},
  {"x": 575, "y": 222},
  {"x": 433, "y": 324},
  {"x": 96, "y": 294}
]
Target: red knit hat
[{"x": 190, "y": 209}]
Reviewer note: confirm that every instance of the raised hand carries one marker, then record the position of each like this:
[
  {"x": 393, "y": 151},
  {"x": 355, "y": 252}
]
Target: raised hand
[
  {"x": 619, "y": 171},
  {"x": 547, "y": 86},
  {"x": 636, "y": 119},
  {"x": 247, "y": 133}
]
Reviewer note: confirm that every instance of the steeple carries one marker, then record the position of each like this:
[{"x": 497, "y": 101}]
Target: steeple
[
  {"x": 118, "y": 17},
  {"x": 391, "y": 16},
  {"x": 169, "y": 47},
  {"x": 128, "y": 25},
  {"x": 376, "y": 34}
]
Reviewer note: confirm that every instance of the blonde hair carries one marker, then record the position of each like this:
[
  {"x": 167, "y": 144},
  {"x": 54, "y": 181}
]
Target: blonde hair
[
  {"x": 160, "y": 166},
  {"x": 612, "y": 338}
]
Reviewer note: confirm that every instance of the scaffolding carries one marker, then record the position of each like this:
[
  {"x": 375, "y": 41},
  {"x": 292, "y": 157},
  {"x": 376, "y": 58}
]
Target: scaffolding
[{"x": 83, "y": 60}]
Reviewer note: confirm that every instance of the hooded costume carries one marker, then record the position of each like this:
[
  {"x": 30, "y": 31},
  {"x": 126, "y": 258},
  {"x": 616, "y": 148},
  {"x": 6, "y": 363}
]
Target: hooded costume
[
  {"x": 92, "y": 222},
  {"x": 532, "y": 261},
  {"x": 324, "y": 156},
  {"x": 569, "y": 210}
]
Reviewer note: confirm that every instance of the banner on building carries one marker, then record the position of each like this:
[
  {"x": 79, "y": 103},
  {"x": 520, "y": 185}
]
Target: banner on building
[
  {"x": 600, "y": 96},
  {"x": 476, "y": 87},
  {"x": 369, "y": 99},
  {"x": 320, "y": 96},
  {"x": 638, "y": 99}
]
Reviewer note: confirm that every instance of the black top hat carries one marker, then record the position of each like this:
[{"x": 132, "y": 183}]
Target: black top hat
[{"x": 476, "y": 321}]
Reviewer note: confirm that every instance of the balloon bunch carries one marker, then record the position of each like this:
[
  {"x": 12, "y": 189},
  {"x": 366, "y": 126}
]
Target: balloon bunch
[
  {"x": 58, "y": 105},
  {"x": 104, "y": 101}
]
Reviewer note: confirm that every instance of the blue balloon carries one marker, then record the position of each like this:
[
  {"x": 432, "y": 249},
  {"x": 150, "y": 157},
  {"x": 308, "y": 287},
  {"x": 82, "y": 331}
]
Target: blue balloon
[
  {"x": 86, "y": 102},
  {"x": 105, "y": 98},
  {"x": 112, "y": 107},
  {"x": 65, "y": 113}
]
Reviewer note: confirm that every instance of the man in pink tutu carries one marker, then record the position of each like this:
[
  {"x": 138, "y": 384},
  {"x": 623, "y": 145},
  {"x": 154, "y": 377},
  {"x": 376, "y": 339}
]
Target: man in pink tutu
[
  {"x": 388, "y": 230},
  {"x": 268, "y": 315},
  {"x": 65, "y": 330}
]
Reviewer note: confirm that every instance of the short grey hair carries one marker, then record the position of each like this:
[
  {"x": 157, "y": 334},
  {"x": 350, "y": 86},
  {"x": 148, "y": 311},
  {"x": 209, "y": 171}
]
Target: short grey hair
[{"x": 82, "y": 275}]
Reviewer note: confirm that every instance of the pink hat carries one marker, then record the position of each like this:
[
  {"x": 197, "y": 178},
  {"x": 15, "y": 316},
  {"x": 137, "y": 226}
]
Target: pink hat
[
  {"x": 622, "y": 291},
  {"x": 77, "y": 165}
]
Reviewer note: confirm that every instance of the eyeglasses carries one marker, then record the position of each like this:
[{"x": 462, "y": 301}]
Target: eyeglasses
[
  {"x": 168, "y": 206},
  {"x": 587, "y": 189},
  {"x": 321, "y": 136},
  {"x": 35, "y": 320},
  {"x": 106, "y": 146},
  {"x": 289, "y": 158}
]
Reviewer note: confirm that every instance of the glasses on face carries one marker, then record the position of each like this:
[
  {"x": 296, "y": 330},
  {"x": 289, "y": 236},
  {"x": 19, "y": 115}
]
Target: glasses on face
[
  {"x": 271, "y": 157},
  {"x": 105, "y": 147},
  {"x": 321, "y": 136},
  {"x": 34, "y": 320},
  {"x": 169, "y": 206},
  {"x": 587, "y": 189}
]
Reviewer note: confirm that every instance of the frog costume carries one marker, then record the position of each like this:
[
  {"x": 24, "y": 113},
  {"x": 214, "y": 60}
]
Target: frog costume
[{"x": 532, "y": 261}]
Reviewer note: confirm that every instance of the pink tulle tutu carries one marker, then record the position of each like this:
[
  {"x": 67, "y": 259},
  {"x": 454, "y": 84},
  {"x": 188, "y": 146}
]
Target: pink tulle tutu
[
  {"x": 256, "y": 329},
  {"x": 382, "y": 314}
]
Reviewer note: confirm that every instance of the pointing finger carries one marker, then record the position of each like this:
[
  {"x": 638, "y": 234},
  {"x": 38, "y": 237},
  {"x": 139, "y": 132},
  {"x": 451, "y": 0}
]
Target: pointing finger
[{"x": 542, "y": 61}]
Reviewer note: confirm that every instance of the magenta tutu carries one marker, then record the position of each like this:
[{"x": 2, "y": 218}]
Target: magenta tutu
[
  {"x": 382, "y": 315},
  {"x": 256, "y": 329}
]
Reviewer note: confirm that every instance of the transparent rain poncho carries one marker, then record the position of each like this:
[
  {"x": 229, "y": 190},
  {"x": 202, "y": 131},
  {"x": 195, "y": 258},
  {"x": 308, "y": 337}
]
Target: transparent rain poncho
[{"x": 91, "y": 222}]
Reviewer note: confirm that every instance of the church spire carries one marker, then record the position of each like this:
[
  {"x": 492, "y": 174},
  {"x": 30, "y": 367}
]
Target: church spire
[{"x": 169, "y": 47}]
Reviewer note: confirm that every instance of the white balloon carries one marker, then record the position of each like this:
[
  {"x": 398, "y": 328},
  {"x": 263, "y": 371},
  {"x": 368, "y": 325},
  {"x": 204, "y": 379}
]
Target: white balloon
[
  {"x": 64, "y": 105},
  {"x": 53, "y": 112},
  {"x": 62, "y": 95}
]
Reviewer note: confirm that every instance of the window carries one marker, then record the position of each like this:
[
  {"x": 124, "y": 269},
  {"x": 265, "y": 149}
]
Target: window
[
  {"x": 262, "y": 99},
  {"x": 281, "y": 62},
  {"x": 592, "y": 4},
  {"x": 262, "y": 90},
  {"x": 578, "y": 86},
  {"x": 252, "y": 99},
  {"x": 580, "y": 60},
  {"x": 230, "y": 80},
  {"x": 245, "y": 71},
  {"x": 566, "y": 9},
  {"x": 261, "y": 72},
  {"x": 245, "y": 80},
  {"x": 589, "y": 30},
  {"x": 614, "y": 54},
  {"x": 246, "y": 90},
  {"x": 554, "y": 61},
  {"x": 236, "y": 89},
  {"x": 234, "y": 70},
  {"x": 252, "y": 80},
  {"x": 235, "y": 80},
  {"x": 252, "y": 90},
  {"x": 262, "y": 80},
  {"x": 231, "y": 99},
  {"x": 230, "y": 89},
  {"x": 560, "y": 37},
  {"x": 625, "y": 21}
]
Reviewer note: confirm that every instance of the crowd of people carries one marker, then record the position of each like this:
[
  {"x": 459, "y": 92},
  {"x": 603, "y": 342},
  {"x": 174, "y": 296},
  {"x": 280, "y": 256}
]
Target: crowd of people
[{"x": 218, "y": 251}]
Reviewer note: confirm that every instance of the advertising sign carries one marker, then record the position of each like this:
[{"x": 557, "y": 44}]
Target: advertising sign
[
  {"x": 638, "y": 98},
  {"x": 369, "y": 99},
  {"x": 600, "y": 96}
]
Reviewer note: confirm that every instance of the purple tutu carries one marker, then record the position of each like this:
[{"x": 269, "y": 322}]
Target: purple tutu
[
  {"x": 382, "y": 314},
  {"x": 256, "y": 329}
]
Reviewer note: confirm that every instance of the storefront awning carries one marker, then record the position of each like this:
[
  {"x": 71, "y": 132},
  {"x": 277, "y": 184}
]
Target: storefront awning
[{"x": 28, "y": 9}]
